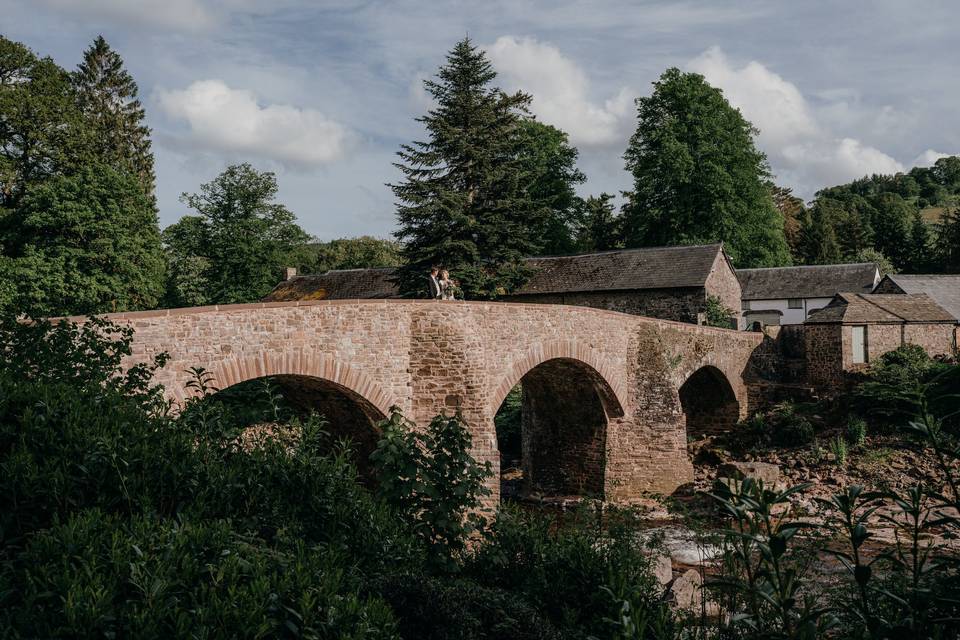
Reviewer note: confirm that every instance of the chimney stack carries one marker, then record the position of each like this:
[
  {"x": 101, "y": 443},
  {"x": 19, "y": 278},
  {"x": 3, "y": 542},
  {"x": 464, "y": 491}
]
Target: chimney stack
[{"x": 289, "y": 273}]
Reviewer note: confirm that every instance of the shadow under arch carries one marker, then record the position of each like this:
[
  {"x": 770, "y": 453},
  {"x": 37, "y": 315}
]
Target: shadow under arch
[
  {"x": 612, "y": 391},
  {"x": 346, "y": 398},
  {"x": 565, "y": 406},
  {"x": 709, "y": 402}
]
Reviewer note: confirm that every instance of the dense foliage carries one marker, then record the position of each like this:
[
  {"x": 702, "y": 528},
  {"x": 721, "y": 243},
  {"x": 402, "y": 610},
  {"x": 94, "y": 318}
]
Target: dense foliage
[
  {"x": 910, "y": 218},
  {"x": 235, "y": 249},
  {"x": 347, "y": 253},
  {"x": 698, "y": 176},
  {"x": 119, "y": 518},
  {"x": 78, "y": 226}
]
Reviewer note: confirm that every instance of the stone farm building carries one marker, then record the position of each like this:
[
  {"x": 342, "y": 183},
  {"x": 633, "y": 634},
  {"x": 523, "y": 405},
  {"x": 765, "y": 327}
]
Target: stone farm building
[
  {"x": 670, "y": 283},
  {"x": 856, "y": 328},
  {"x": 788, "y": 295}
]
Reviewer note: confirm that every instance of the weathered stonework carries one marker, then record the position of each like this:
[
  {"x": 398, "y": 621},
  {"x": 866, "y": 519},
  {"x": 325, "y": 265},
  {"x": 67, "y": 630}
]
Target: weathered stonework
[{"x": 605, "y": 414}]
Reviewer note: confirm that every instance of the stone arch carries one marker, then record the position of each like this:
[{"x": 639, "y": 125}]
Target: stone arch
[
  {"x": 609, "y": 385},
  {"x": 567, "y": 404},
  {"x": 233, "y": 370},
  {"x": 346, "y": 397},
  {"x": 709, "y": 402}
]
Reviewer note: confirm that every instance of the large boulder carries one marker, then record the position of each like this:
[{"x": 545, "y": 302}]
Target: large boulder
[
  {"x": 768, "y": 473},
  {"x": 688, "y": 595}
]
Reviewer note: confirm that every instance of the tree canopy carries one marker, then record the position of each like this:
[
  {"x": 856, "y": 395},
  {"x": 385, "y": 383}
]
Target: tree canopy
[
  {"x": 235, "y": 248},
  {"x": 698, "y": 176},
  {"x": 86, "y": 243}
]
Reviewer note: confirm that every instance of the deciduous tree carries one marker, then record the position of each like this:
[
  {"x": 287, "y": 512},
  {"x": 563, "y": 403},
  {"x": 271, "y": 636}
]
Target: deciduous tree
[
  {"x": 87, "y": 243},
  {"x": 244, "y": 236},
  {"x": 698, "y": 177}
]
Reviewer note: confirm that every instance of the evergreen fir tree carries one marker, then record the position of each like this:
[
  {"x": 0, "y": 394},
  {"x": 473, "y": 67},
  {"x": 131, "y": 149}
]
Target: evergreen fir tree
[
  {"x": 818, "y": 239},
  {"x": 920, "y": 244},
  {"x": 601, "y": 229},
  {"x": 107, "y": 96},
  {"x": 948, "y": 241},
  {"x": 465, "y": 201}
]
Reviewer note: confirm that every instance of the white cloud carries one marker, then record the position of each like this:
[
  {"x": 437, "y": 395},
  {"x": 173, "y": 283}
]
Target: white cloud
[
  {"x": 560, "y": 91},
  {"x": 803, "y": 151},
  {"x": 929, "y": 157},
  {"x": 187, "y": 15},
  {"x": 228, "y": 120}
]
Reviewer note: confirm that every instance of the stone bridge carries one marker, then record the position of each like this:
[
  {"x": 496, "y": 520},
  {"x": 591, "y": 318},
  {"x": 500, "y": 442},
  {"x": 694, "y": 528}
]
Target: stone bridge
[{"x": 608, "y": 398}]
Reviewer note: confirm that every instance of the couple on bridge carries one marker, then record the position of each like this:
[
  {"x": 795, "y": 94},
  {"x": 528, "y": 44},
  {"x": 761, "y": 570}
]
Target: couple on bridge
[{"x": 441, "y": 286}]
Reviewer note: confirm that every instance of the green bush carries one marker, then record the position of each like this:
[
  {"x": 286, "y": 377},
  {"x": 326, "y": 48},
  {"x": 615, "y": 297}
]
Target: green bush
[
  {"x": 430, "y": 608},
  {"x": 857, "y": 432},
  {"x": 102, "y": 576},
  {"x": 568, "y": 573},
  {"x": 432, "y": 481},
  {"x": 783, "y": 426}
]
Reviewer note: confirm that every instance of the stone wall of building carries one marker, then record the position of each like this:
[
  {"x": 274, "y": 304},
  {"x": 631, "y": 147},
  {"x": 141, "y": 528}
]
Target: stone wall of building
[
  {"x": 426, "y": 357},
  {"x": 681, "y": 305},
  {"x": 829, "y": 347},
  {"x": 824, "y": 350},
  {"x": 723, "y": 283}
]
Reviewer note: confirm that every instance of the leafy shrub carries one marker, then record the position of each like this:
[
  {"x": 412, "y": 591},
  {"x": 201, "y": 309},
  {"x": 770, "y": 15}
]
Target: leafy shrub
[
  {"x": 569, "y": 573},
  {"x": 99, "y": 575},
  {"x": 430, "y": 608},
  {"x": 886, "y": 392},
  {"x": 857, "y": 432},
  {"x": 838, "y": 447},
  {"x": 718, "y": 315},
  {"x": 431, "y": 479},
  {"x": 782, "y": 426}
]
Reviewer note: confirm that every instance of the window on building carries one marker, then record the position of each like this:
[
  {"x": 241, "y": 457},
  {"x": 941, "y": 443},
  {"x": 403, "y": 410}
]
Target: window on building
[
  {"x": 859, "y": 339},
  {"x": 745, "y": 305},
  {"x": 795, "y": 303}
]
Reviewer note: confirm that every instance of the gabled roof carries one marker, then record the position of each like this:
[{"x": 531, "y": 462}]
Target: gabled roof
[
  {"x": 623, "y": 269},
  {"x": 943, "y": 288},
  {"x": 345, "y": 284},
  {"x": 813, "y": 281},
  {"x": 881, "y": 308}
]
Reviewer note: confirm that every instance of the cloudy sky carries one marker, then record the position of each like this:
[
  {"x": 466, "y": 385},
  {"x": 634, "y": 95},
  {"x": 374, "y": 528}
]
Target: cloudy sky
[{"x": 324, "y": 92}]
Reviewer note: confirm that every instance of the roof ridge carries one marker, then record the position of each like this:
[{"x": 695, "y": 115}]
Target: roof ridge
[
  {"x": 625, "y": 250},
  {"x": 814, "y": 266}
]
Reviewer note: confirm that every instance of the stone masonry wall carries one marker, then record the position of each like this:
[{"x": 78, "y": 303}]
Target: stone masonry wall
[
  {"x": 824, "y": 349},
  {"x": 681, "y": 305},
  {"x": 426, "y": 357},
  {"x": 723, "y": 283}
]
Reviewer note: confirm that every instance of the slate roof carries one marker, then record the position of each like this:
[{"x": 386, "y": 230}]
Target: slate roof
[
  {"x": 881, "y": 308},
  {"x": 623, "y": 269},
  {"x": 944, "y": 289},
  {"x": 345, "y": 284},
  {"x": 814, "y": 281}
]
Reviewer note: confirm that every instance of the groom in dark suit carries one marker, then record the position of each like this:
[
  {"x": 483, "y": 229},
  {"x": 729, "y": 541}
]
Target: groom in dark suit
[{"x": 435, "y": 283}]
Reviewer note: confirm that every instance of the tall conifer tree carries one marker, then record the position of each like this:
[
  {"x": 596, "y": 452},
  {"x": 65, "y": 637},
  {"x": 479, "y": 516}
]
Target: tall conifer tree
[
  {"x": 107, "y": 96},
  {"x": 465, "y": 200}
]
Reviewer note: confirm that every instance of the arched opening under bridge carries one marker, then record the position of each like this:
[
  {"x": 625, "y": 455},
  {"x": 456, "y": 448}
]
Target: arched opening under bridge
[
  {"x": 709, "y": 403},
  {"x": 552, "y": 431}
]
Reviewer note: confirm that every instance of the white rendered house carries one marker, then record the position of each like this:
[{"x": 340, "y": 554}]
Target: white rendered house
[{"x": 788, "y": 295}]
